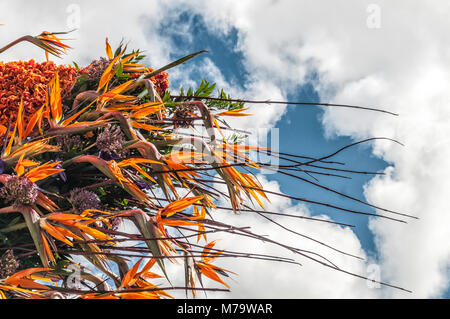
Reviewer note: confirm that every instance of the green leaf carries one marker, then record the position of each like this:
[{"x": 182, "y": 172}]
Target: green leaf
[
  {"x": 32, "y": 221},
  {"x": 145, "y": 225},
  {"x": 119, "y": 49},
  {"x": 166, "y": 97},
  {"x": 119, "y": 70},
  {"x": 14, "y": 221}
]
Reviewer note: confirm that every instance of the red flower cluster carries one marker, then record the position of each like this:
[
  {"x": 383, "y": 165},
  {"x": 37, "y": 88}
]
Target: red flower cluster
[
  {"x": 29, "y": 80},
  {"x": 160, "y": 81}
]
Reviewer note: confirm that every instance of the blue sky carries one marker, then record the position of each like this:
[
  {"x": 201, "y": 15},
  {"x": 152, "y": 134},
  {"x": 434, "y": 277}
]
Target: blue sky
[{"x": 301, "y": 131}]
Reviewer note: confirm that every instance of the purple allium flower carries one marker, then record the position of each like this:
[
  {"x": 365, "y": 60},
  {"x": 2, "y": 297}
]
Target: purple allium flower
[
  {"x": 8, "y": 264},
  {"x": 96, "y": 68},
  {"x": 110, "y": 141},
  {"x": 62, "y": 174},
  {"x": 108, "y": 157},
  {"x": 19, "y": 191},
  {"x": 144, "y": 186},
  {"x": 116, "y": 222},
  {"x": 183, "y": 116},
  {"x": 68, "y": 142},
  {"x": 82, "y": 199}
]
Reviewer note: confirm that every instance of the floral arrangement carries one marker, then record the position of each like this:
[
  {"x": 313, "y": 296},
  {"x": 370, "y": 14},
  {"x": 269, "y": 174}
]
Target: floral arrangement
[{"x": 86, "y": 148}]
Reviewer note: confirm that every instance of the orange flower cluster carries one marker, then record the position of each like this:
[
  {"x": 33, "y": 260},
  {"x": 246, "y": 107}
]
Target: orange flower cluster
[{"x": 29, "y": 80}]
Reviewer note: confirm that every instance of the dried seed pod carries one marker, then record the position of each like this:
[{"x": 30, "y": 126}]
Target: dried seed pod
[{"x": 8, "y": 264}]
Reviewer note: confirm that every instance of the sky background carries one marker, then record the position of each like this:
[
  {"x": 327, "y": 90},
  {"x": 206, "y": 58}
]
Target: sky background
[{"x": 393, "y": 55}]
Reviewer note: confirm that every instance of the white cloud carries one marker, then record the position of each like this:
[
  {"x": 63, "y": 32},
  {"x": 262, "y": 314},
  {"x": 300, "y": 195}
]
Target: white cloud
[
  {"x": 401, "y": 66},
  {"x": 264, "y": 279},
  {"x": 136, "y": 23}
]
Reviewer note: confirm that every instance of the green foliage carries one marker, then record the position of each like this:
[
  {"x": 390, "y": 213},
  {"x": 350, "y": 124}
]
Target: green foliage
[{"x": 205, "y": 89}]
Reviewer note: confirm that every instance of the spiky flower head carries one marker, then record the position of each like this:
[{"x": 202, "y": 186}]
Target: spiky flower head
[
  {"x": 184, "y": 116},
  {"x": 110, "y": 141},
  {"x": 116, "y": 222},
  {"x": 82, "y": 199},
  {"x": 68, "y": 142},
  {"x": 19, "y": 191},
  {"x": 95, "y": 70},
  {"x": 8, "y": 264}
]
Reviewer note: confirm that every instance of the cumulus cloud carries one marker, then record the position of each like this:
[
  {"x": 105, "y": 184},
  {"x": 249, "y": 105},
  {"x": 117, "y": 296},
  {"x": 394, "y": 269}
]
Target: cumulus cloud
[
  {"x": 402, "y": 65},
  {"x": 263, "y": 279},
  {"x": 94, "y": 21}
]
